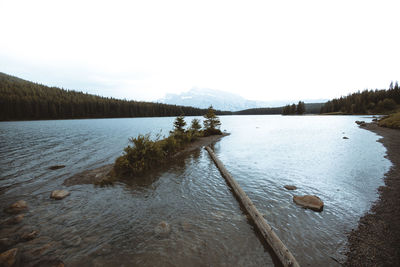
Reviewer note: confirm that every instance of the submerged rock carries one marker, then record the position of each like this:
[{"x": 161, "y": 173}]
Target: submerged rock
[
  {"x": 8, "y": 258},
  {"x": 14, "y": 220},
  {"x": 6, "y": 243},
  {"x": 50, "y": 263},
  {"x": 103, "y": 250},
  {"x": 186, "y": 226},
  {"x": 309, "y": 202},
  {"x": 59, "y": 194},
  {"x": 73, "y": 241},
  {"x": 290, "y": 187},
  {"x": 56, "y": 167},
  {"x": 29, "y": 235},
  {"x": 162, "y": 229},
  {"x": 17, "y": 207}
]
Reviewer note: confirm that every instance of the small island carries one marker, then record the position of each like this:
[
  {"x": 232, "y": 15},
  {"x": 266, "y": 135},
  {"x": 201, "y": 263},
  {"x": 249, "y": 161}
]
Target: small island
[{"x": 144, "y": 154}]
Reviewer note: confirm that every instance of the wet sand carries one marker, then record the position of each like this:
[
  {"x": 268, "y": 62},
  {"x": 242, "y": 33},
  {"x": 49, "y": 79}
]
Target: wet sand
[
  {"x": 95, "y": 176},
  {"x": 376, "y": 241}
]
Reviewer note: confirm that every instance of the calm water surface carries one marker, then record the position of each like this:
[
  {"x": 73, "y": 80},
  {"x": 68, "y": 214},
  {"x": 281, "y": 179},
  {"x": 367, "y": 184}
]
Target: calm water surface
[{"x": 115, "y": 226}]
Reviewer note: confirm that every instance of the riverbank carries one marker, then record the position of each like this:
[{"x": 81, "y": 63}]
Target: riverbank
[
  {"x": 376, "y": 241},
  {"x": 96, "y": 176}
]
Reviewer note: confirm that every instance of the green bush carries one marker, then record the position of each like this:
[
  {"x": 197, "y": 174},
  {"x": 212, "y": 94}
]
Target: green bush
[
  {"x": 392, "y": 121},
  {"x": 143, "y": 155}
]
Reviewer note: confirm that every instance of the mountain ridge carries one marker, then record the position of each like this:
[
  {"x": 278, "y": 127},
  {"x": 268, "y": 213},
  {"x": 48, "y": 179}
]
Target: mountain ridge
[{"x": 222, "y": 100}]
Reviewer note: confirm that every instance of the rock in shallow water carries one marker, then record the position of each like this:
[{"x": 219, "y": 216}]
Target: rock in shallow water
[
  {"x": 73, "y": 241},
  {"x": 309, "y": 202},
  {"x": 8, "y": 258},
  {"x": 59, "y": 194},
  {"x": 14, "y": 220},
  {"x": 29, "y": 235},
  {"x": 50, "y": 263},
  {"x": 56, "y": 167},
  {"x": 290, "y": 187},
  {"x": 17, "y": 207},
  {"x": 162, "y": 229}
]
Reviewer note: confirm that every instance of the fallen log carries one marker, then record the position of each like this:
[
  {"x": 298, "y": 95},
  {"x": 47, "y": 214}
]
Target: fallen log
[{"x": 281, "y": 251}]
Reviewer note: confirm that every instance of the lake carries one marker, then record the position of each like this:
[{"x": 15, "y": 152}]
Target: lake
[{"x": 116, "y": 225}]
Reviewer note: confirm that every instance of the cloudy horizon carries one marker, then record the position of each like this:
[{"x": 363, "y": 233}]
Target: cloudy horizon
[{"x": 259, "y": 50}]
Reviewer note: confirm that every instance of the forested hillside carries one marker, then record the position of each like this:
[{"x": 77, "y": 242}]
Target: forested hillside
[
  {"x": 366, "y": 102},
  {"x": 310, "y": 108},
  {"x": 24, "y": 100}
]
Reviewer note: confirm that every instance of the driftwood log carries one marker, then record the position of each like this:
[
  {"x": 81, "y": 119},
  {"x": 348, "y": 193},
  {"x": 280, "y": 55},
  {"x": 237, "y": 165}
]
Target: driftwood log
[{"x": 281, "y": 251}]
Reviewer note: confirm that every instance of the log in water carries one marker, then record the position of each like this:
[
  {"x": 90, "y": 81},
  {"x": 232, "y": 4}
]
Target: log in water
[{"x": 282, "y": 252}]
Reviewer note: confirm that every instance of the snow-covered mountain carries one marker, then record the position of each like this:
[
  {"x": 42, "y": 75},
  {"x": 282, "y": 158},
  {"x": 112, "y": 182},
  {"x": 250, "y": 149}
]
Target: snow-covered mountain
[
  {"x": 203, "y": 98},
  {"x": 221, "y": 100}
]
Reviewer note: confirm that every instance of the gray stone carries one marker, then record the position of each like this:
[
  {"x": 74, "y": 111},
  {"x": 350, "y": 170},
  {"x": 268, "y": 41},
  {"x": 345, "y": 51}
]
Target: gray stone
[{"x": 59, "y": 194}]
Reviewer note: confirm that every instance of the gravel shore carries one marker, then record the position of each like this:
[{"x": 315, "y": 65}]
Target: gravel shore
[{"x": 376, "y": 240}]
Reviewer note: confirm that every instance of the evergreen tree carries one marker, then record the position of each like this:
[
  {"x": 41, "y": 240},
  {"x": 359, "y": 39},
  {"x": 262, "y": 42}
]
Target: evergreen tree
[
  {"x": 292, "y": 109},
  {"x": 211, "y": 122},
  {"x": 179, "y": 124},
  {"x": 286, "y": 110},
  {"x": 301, "y": 108},
  {"x": 195, "y": 126}
]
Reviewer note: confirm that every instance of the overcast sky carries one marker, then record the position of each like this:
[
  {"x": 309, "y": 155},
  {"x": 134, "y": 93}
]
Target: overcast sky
[{"x": 261, "y": 50}]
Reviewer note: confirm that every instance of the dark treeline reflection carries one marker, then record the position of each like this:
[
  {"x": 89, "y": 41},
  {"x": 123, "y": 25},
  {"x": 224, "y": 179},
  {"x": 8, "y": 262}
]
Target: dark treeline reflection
[
  {"x": 367, "y": 101},
  {"x": 24, "y": 100}
]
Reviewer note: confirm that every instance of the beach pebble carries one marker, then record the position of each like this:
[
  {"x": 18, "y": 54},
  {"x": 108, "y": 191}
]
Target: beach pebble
[
  {"x": 59, "y": 194},
  {"x": 309, "y": 202}
]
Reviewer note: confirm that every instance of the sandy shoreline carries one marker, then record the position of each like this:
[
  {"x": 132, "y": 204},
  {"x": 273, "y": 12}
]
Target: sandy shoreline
[
  {"x": 96, "y": 175},
  {"x": 376, "y": 240}
]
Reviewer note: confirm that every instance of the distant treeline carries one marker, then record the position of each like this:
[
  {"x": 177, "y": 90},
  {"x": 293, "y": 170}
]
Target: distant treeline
[
  {"x": 366, "y": 102},
  {"x": 309, "y": 108},
  {"x": 24, "y": 100},
  {"x": 259, "y": 111}
]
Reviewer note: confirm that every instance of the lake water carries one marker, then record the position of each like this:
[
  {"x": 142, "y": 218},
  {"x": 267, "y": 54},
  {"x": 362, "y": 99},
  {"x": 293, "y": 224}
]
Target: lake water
[{"x": 115, "y": 226}]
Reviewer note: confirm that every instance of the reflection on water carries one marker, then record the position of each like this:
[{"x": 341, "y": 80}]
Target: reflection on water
[{"x": 116, "y": 225}]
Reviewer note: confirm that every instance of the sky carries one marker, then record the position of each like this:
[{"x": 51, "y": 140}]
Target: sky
[{"x": 260, "y": 50}]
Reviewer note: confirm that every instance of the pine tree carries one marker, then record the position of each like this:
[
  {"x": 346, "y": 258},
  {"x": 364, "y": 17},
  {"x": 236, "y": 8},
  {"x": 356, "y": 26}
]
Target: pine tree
[
  {"x": 179, "y": 124},
  {"x": 292, "y": 109},
  {"x": 301, "y": 108},
  {"x": 195, "y": 126},
  {"x": 211, "y": 122},
  {"x": 286, "y": 110}
]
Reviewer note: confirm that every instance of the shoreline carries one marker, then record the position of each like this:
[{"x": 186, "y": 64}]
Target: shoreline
[
  {"x": 95, "y": 176},
  {"x": 376, "y": 240}
]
